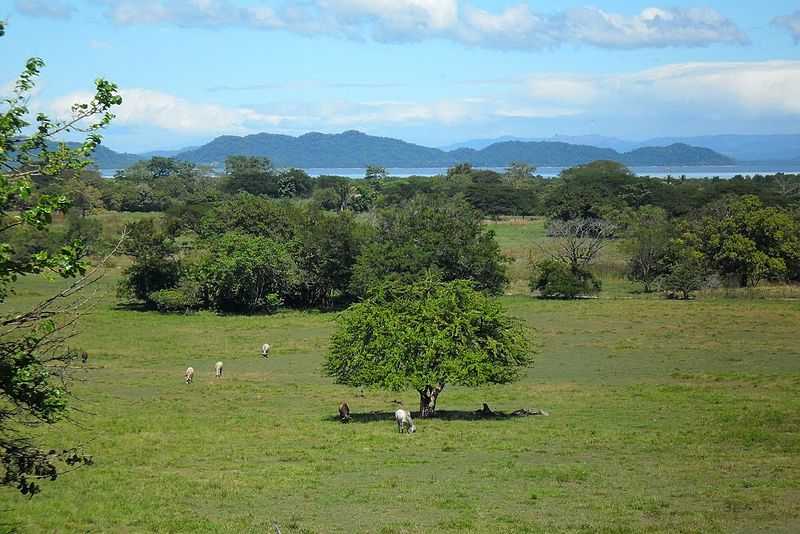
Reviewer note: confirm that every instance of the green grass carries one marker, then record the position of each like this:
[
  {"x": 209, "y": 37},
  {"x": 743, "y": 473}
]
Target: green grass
[{"x": 665, "y": 416}]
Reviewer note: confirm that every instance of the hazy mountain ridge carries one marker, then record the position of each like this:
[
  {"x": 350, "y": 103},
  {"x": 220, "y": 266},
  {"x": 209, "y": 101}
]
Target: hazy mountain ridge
[
  {"x": 741, "y": 147},
  {"x": 356, "y": 149},
  {"x": 105, "y": 158}
]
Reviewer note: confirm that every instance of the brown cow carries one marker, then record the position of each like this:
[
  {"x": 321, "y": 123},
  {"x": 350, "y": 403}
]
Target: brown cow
[{"x": 344, "y": 412}]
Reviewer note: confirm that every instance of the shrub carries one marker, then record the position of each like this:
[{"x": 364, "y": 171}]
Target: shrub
[
  {"x": 558, "y": 279},
  {"x": 183, "y": 298}
]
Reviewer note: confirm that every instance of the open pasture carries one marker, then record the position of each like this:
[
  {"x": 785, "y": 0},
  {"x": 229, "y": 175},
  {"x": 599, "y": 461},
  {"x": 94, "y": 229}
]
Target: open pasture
[{"x": 664, "y": 416}]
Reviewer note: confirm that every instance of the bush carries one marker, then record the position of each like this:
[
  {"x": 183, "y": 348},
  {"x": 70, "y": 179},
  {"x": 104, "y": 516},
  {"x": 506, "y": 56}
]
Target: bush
[
  {"x": 247, "y": 274},
  {"x": 147, "y": 276},
  {"x": 183, "y": 298},
  {"x": 558, "y": 279}
]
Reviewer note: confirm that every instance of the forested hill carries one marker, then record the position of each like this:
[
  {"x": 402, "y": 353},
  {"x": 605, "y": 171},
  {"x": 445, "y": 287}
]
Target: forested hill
[
  {"x": 356, "y": 149},
  {"x": 105, "y": 158},
  {"x": 348, "y": 149}
]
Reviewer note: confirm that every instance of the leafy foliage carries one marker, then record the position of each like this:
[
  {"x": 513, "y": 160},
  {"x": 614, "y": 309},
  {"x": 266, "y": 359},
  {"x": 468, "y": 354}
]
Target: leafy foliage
[
  {"x": 246, "y": 273},
  {"x": 325, "y": 251},
  {"x": 745, "y": 241},
  {"x": 445, "y": 235},
  {"x": 35, "y": 362},
  {"x": 684, "y": 272},
  {"x": 424, "y": 336},
  {"x": 554, "y": 278},
  {"x": 154, "y": 264},
  {"x": 647, "y": 242}
]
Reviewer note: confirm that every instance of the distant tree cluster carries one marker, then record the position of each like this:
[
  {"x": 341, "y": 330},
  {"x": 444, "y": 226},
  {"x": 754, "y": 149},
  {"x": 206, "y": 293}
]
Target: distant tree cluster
[
  {"x": 679, "y": 235},
  {"x": 252, "y": 254}
]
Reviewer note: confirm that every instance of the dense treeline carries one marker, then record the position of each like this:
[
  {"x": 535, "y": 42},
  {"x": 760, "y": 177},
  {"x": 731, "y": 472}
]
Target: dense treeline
[
  {"x": 252, "y": 254},
  {"x": 596, "y": 189},
  {"x": 255, "y": 237}
]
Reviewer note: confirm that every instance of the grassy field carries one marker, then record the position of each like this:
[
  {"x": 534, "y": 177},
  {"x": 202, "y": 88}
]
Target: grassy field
[{"x": 665, "y": 416}]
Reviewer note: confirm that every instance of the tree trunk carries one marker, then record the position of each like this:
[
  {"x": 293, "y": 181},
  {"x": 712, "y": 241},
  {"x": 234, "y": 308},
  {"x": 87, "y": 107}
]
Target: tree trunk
[{"x": 427, "y": 400}]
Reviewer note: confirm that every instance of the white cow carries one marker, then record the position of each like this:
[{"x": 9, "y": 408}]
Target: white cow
[
  {"x": 218, "y": 369},
  {"x": 404, "y": 420},
  {"x": 265, "y": 350},
  {"x": 189, "y": 375}
]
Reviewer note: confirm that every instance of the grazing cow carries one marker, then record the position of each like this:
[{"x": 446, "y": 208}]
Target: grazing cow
[
  {"x": 218, "y": 369},
  {"x": 404, "y": 420},
  {"x": 189, "y": 375},
  {"x": 344, "y": 412},
  {"x": 265, "y": 350}
]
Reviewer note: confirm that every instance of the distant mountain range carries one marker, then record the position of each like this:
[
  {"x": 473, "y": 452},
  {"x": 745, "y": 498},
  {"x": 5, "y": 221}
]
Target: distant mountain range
[
  {"x": 742, "y": 148},
  {"x": 355, "y": 149}
]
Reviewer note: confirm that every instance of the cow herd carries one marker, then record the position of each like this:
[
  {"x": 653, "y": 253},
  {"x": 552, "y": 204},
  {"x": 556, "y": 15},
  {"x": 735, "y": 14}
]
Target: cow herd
[
  {"x": 218, "y": 367},
  {"x": 403, "y": 417}
]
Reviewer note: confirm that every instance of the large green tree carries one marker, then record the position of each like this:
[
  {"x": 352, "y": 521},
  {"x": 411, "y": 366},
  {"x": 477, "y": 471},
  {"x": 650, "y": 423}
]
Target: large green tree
[
  {"x": 35, "y": 360},
  {"x": 253, "y": 175},
  {"x": 155, "y": 264},
  {"x": 424, "y": 336},
  {"x": 246, "y": 273},
  {"x": 593, "y": 191},
  {"x": 326, "y": 250},
  {"x": 431, "y": 232},
  {"x": 745, "y": 241}
]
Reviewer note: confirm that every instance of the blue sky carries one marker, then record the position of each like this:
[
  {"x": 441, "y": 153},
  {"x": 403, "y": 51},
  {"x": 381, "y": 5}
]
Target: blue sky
[{"x": 431, "y": 72}]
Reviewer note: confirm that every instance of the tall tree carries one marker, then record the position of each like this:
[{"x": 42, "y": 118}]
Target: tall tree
[
  {"x": 647, "y": 241},
  {"x": 519, "y": 172},
  {"x": 578, "y": 242},
  {"x": 746, "y": 242},
  {"x": 432, "y": 232},
  {"x": 253, "y": 175},
  {"x": 374, "y": 172},
  {"x": 35, "y": 361},
  {"x": 424, "y": 336}
]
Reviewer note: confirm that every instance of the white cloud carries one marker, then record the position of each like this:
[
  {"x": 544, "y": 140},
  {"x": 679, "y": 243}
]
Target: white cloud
[
  {"x": 791, "y": 23},
  {"x": 345, "y": 114},
  {"x": 154, "y": 109},
  {"x": 686, "y": 98},
  {"x": 395, "y": 20},
  {"x": 103, "y": 46},
  {"x": 734, "y": 88},
  {"x": 55, "y": 9},
  {"x": 756, "y": 89},
  {"x": 529, "y": 112},
  {"x": 561, "y": 88},
  {"x": 515, "y": 27},
  {"x": 191, "y": 13},
  {"x": 653, "y": 27}
]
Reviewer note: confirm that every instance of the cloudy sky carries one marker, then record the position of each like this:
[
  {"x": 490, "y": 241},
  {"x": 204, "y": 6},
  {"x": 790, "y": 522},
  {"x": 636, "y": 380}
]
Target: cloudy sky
[{"x": 431, "y": 72}]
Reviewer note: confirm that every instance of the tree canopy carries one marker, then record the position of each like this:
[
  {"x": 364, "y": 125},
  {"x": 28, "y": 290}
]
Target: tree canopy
[
  {"x": 426, "y": 335},
  {"x": 443, "y": 234},
  {"x": 740, "y": 238}
]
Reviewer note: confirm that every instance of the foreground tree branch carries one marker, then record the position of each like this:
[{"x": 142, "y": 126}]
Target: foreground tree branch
[{"x": 36, "y": 364}]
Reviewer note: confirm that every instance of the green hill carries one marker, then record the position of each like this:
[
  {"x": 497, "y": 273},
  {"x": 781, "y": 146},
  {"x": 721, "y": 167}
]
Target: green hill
[{"x": 356, "y": 149}]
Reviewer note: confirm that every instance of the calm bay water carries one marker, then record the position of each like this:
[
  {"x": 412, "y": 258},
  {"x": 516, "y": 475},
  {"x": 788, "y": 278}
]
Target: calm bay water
[{"x": 723, "y": 171}]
